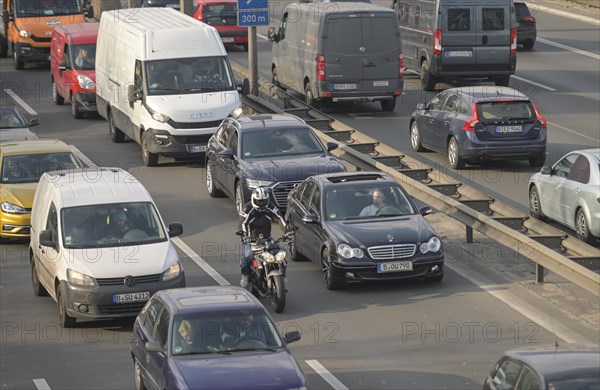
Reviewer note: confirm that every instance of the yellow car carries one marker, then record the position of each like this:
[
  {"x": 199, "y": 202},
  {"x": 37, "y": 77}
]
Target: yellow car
[{"x": 22, "y": 164}]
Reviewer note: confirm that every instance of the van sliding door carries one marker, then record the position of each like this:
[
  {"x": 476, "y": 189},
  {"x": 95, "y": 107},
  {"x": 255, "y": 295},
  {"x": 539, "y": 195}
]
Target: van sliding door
[{"x": 459, "y": 38}]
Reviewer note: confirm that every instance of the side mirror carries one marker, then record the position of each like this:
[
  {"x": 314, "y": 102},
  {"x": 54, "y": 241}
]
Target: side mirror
[
  {"x": 47, "y": 239},
  {"x": 546, "y": 170},
  {"x": 425, "y": 210},
  {"x": 331, "y": 146},
  {"x": 244, "y": 87},
  {"x": 153, "y": 346},
  {"x": 34, "y": 122},
  {"x": 227, "y": 153},
  {"x": 292, "y": 336},
  {"x": 421, "y": 106},
  {"x": 310, "y": 218},
  {"x": 272, "y": 35},
  {"x": 175, "y": 229},
  {"x": 89, "y": 12},
  {"x": 133, "y": 94}
]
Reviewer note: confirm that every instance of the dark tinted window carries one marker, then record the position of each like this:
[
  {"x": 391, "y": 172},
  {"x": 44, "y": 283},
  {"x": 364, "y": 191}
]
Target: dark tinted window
[
  {"x": 580, "y": 171},
  {"x": 503, "y": 111},
  {"x": 463, "y": 107},
  {"x": 506, "y": 376},
  {"x": 374, "y": 29},
  {"x": 563, "y": 167},
  {"x": 522, "y": 10},
  {"x": 162, "y": 327},
  {"x": 452, "y": 103},
  {"x": 307, "y": 193},
  {"x": 52, "y": 221},
  {"x": 233, "y": 141},
  {"x": 152, "y": 312},
  {"x": 459, "y": 19},
  {"x": 315, "y": 202},
  {"x": 343, "y": 34},
  {"x": 438, "y": 102},
  {"x": 220, "y": 14},
  {"x": 529, "y": 380},
  {"x": 492, "y": 19},
  {"x": 280, "y": 142}
]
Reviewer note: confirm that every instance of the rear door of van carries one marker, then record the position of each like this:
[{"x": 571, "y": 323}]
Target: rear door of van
[
  {"x": 493, "y": 36},
  {"x": 459, "y": 37}
]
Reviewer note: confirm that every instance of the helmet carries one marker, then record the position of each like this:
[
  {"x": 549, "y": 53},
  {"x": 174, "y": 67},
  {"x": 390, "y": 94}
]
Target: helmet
[{"x": 260, "y": 198}]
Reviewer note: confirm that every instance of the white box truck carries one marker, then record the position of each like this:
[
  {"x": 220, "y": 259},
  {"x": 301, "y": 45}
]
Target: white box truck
[{"x": 164, "y": 80}]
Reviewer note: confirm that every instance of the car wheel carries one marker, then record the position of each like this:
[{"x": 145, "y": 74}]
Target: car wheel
[
  {"x": 502, "y": 81},
  {"x": 64, "y": 319},
  {"x": 330, "y": 282},
  {"x": 150, "y": 159},
  {"x": 137, "y": 376},
  {"x": 388, "y": 105},
  {"x": 309, "y": 97},
  {"x": 535, "y": 204},
  {"x": 239, "y": 198},
  {"x": 528, "y": 45},
  {"x": 582, "y": 228},
  {"x": 19, "y": 64},
  {"x": 428, "y": 82},
  {"x": 454, "y": 158},
  {"x": 274, "y": 78},
  {"x": 116, "y": 135},
  {"x": 537, "y": 161},
  {"x": 415, "y": 137},
  {"x": 38, "y": 289},
  {"x": 58, "y": 100},
  {"x": 77, "y": 113},
  {"x": 211, "y": 186}
]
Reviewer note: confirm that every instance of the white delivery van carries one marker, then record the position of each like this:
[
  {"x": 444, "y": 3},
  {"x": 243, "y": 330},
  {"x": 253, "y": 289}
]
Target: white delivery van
[
  {"x": 98, "y": 244},
  {"x": 163, "y": 79}
]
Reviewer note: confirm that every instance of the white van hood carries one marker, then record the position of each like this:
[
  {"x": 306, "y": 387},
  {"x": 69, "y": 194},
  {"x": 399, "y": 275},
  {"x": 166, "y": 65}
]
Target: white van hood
[
  {"x": 121, "y": 261},
  {"x": 197, "y": 107}
]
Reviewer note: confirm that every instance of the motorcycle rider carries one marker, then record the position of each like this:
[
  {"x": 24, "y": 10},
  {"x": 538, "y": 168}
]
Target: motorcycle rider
[{"x": 256, "y": 220}]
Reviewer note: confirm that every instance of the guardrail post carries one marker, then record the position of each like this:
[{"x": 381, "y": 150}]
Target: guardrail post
[
  {"x": 469, "y": 234},
  {"x": 539, "y": 273}
]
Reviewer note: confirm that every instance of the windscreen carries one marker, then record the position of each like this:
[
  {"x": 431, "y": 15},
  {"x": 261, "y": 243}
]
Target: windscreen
[
  {"x": 29, "y": 168},
  {"x": 285, "y": 142},
  {"x": 224, "y": 14},
  {"x": 10, "y": 118},
  {"x": 366, "y": 202},
  {"x": 44, "y": 8},
  {"x": 504, "y": 111}
]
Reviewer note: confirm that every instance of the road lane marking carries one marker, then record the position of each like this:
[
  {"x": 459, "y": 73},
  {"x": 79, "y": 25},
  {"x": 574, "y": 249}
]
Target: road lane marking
[
  {"x": 534, "y": 83},
  {"x": 517, "y": 304},
  {"x": 574, "y": 132},
  {"x": 569, "y": 48},
  {"x": 200, "y": 261},
  {"x": 566, "y": 14},
  {"x": 41, "y": 384},
  {"x": 325, "y": 374},
  {"x": 20, "y": 102}
]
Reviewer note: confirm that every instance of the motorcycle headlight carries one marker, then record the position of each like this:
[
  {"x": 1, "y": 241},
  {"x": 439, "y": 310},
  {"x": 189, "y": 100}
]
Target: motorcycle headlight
[
  {"x": 269, "y": 258},
  {"x": 11, "y": 208},
  {"x": 347, "y": 252},
  {"x": 86, "y": 82},
  {"x": 171, "y": 273},
  {"x": 280, "y": 256},
  {"x": 80, "y": 280},
  {"x": 258, "y": 183},
  {"x": 433, "y": 245}
]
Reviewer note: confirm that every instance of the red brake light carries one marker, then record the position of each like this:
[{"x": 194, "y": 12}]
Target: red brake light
[
  {"x": 320, "y": 67},
  {"x": 401, "y": 65},
  {"x": 199, "y": 14},
  {"x": 469, "y": 125},
  {"x": 513, "y": 41},
  {"x": 529, "y": 18},
  {"x": 254, "y": 264},
  {"x": 540, "y": 118},
  {"x": 437, "y": 43}
]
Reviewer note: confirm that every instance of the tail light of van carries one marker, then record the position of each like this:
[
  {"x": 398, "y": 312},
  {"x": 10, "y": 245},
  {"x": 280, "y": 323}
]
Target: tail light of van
[
  {"x": 513, "y": 41},
  {"x": 200, "y": 15},
  {"x": 321, "y": 67},
  {"x": 543, "y": 121},
  {"x": 470, "y": 124},
  {"x": 529, "y": 18},
  {"x": 401, "y": 65},
  {"x": 437, "y": 43}
]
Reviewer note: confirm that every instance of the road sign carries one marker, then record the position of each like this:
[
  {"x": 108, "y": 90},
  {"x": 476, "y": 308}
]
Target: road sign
[{"x": 253, "y": 13}]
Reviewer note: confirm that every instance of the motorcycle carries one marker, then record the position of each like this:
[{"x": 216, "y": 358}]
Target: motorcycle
[{"x": 268, "y": 267}]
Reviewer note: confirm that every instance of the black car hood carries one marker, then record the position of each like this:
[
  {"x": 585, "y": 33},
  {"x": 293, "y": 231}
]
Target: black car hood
[
  {"x": 292, "y": 168},
  {"x": 409, "y": 229}
]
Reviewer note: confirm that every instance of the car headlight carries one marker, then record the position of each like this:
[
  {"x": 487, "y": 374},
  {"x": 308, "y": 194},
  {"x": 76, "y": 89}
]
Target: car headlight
[
  {"x": 157, "y": 116},
  {"x": 347, "y": 252},
  {"x": 11, "y": 208},
  {"x": 86, "y": 82},
  {"x": 171, "y": 273},
  {"x": 280, "y": 256},
  {"x": 78, "y": 279},
  {"x": 25, "y": 33},
  {"x": 258, "y": 183},
  {"x": 433, "y": 245}
]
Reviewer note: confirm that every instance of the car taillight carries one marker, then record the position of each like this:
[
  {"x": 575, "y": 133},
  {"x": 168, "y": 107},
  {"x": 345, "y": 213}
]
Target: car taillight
[
  {"x": 513, "y": 41},
  {"x": 529, "y": 18},
  {"x": 321, "y": 67},
  {"x": 199, "y": 14},
  {"x": 469, "y": 125},
  {"x": 437, "y": 43},
  {"x": 540, "y": 118},
  {"x": 401, "y": 65}
]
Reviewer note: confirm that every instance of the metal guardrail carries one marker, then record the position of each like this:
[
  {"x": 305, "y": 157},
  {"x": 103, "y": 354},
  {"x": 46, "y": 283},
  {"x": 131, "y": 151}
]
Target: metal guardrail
[{"x": 545, "y": 245}]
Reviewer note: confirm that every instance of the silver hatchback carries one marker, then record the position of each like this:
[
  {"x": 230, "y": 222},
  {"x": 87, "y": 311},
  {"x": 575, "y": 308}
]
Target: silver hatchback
[{"x": 569, "y": 193}]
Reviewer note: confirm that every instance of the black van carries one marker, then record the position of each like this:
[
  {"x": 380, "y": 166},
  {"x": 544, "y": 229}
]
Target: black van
[
  {"x": 448, "y": 40},
  {"x": 339, "y": 52}
]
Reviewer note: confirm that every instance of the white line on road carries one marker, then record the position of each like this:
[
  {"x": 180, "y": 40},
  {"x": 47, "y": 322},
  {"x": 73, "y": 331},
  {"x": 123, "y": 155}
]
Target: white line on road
[
  {"x": 569, "y": 48},
  {"x": 574, "y": 132},
  {"x": 325, "y": 374},
  {"x": 534, "y": 83},
  {"x": 20, "y": 101},
  {"x": 201, "y": 262},
  {"x": 566, "y": 14},
  {"x": 41, "y": 384}
]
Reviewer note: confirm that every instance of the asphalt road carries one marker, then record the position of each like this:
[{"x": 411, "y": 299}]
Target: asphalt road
[{"x": 377, "y": 336}]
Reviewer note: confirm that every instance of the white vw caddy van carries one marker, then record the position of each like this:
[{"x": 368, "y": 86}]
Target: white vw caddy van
[{"x": 99, "y": 246}]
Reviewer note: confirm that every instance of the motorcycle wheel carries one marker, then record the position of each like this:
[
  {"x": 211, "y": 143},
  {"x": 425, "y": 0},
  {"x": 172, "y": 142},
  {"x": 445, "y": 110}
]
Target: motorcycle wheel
[{"x": 278, "y": 294}]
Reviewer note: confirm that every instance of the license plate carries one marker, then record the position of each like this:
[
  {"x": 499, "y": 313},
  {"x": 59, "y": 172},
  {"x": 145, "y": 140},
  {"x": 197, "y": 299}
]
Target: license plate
[
  {"x": 132, "y": 297},
  {"x": 397, "y": 266},
  {"x": 509, "y": 129},
  {"x": 344, "y": 86},
  {"x": 196, "y": 148},
  {"x": 383, "y": 83},
  {"x": 462, "y": 53},
  {"x": 228, "y": 39}
]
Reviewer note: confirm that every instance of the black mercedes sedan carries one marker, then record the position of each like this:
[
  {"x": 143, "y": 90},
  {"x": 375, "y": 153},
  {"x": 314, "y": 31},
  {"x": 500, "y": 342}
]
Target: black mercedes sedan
[
  {"x": 362, "y": 226},
  {"x": 273, "y": 151}
]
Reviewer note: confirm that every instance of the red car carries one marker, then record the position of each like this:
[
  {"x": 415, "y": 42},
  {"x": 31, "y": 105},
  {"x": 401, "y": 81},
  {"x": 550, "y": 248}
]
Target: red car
[
  {"x": 222, "y": 15},
  {"x": 72, "y": 62}
]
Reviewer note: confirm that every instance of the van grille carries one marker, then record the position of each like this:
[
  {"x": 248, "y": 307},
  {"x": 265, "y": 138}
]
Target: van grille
[
  {"x": 121, "y": 308},
  {"x": 281, "y": 191},
  {"x": 40, "y": 39},
  {"x": 120, "y": 281},
  {"x": 193, "y": 125},
  {"x": 392, "y": 252}
]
